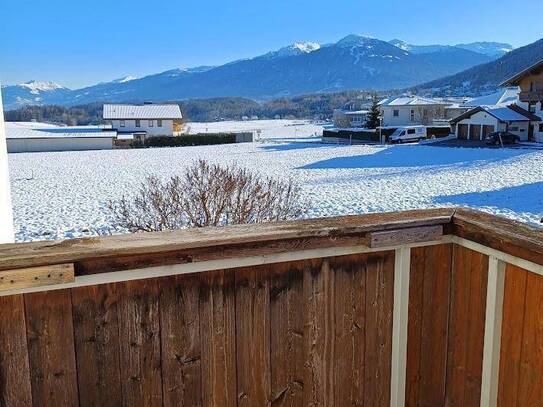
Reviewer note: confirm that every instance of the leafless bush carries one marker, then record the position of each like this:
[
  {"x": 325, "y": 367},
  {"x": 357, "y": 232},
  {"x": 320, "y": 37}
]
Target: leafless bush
[{"x": 207, "y": 195}]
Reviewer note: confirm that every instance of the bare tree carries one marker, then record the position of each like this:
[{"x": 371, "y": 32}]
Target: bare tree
[{"x": 207, "y": 195}]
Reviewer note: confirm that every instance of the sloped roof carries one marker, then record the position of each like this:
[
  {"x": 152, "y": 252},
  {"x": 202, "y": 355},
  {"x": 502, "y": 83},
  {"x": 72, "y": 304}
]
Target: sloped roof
[
  {"x": 27, "y": 130},
  {"x": 512, "y": 113},
  {"x": 514, "y": 81},
  {"x": 411, "y": 101},
  {"x": 504, "y": 97},
  {"x": 150, "y": 111}
]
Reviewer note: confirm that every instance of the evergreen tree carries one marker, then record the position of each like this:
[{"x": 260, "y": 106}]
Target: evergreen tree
[{"x": 374, "y": 116}]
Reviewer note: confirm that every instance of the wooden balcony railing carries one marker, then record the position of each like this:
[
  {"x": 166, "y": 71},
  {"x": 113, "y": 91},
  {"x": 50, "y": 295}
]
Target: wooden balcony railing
[
  {"x": 422, "y": 308},
  {"x": 532, "y": 96}
]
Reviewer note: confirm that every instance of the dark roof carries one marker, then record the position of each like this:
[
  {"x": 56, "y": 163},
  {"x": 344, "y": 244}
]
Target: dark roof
[
  {"x": 524, "y": 112},
  {"x": 511, "y": 113},
  {"x": 514, "y": 81}
]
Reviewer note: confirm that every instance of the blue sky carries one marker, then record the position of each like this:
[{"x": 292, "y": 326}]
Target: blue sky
[{"x": 77, "y": 43}]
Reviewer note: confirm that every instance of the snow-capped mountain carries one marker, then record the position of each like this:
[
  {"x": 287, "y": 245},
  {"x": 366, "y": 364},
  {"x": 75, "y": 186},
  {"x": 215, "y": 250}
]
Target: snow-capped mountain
[
  {"x": 491, "y": 49},
  {"x": 353, "y": 62},
  {"x": 32, "y": 93}
]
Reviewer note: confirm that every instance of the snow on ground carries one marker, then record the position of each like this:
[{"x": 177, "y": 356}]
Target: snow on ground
[{"x": 65, "y": 195}]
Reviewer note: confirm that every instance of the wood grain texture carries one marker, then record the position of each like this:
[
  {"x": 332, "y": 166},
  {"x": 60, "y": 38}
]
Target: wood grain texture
[
  {"x": 36, "y": 276},
  {"x": 181, "y": 346},
  {"x": 428, "y": 325},
  {"x": 514, "y": 309},
  {"x": 15, "y": 388},
  {"x": 253, "y": 336},
  {"x": 96, "y": 332},
  {"x": 139, "y": 338},
  {"x": 389, "y": 238},
  {"x": 466, "y": 327},
  {"x": 51, "y": 348},
  {"x": 218, "y": 336}
]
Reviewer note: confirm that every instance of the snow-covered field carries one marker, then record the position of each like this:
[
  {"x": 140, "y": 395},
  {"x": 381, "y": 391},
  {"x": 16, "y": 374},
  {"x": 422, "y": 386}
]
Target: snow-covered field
[{"x": 65, "y": 195}]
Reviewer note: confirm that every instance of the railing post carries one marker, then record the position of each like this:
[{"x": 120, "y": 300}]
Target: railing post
[
  {"x": 402, "y": 267},
  {"x": 493, "y": 329}
]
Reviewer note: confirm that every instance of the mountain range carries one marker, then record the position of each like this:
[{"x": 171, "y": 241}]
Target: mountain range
[{"x": 354, "y": 62}]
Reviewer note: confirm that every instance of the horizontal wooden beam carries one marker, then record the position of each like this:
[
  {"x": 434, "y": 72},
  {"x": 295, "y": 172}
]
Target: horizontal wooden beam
[
  {"x": 36, "y": 277},
  {"x": 405, "y": 236}
]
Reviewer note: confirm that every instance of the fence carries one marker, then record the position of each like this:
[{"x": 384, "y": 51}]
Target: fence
[{"x": 422, "y": 308}]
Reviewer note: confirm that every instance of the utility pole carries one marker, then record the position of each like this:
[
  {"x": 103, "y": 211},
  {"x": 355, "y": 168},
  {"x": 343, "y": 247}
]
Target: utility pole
[{"x": 6, "y": 216}]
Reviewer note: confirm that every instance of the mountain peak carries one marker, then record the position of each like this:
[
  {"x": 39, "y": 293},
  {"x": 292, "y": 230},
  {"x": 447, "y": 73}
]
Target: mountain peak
[
  {"x": 354, "y": 40},
  {"x": 297, "y": 48},
  {"x": 125, "y": 79},
  {"x": 41, "y": 86}
]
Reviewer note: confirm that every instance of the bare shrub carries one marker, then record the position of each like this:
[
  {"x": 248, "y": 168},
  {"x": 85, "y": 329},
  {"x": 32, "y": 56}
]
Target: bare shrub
[{"x": 207, "y": 195}]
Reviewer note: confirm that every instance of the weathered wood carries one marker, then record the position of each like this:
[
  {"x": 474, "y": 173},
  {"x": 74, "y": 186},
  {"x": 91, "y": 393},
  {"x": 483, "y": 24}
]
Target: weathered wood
[
  {"x": 77, "y": 250},
  {"x": 36, "y": 276},
  {"x": 378, "y": 348},
  {"x": 139, "y": 337},
  {"x": 398, "y": 237},
  {"x": 466, "y": 325},
  {"x": 96, "y": 332},
  {"x": 428, "y": 325},
  {"x": 51, "y": 348},
  {"x": 180, "y": 335},
  {"x": 253, "y": 336},
  {"x": 218, "y": 336},
  {"x": 286, "y": 336},
  {"x": 15, "y": 389},
  {"x": 514, "y": 308}
]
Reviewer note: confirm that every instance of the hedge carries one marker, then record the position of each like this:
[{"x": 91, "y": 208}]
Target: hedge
[{"x": 202, "y": 139}]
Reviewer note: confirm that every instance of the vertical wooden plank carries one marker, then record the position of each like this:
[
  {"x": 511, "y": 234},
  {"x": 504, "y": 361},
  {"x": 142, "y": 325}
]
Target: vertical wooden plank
[
  {"x": 402, "y": 268},
  {"x": 530, "y": 391},
  {"x": 492, "y": 339},
  {"x": 253, "y": 336},
  {"x": 466, "y": 326},
  {"x": 139, "y": 337},
  {"x": 349, "y": 285},
  {"x": 180, "y": 336},
  {"x": 286, "y": 342},
  {"x": 96, "y": 333},
  {"x": 51, "y": 348},
  {"x": 218, "y": 335},
  {"x": 514, "y": 308},
  {"x": 378, "y": 351},
  {"x": 317, "y": 315},
  {"x": 15, "y": 389},
  {"x": 428, "y": 322}
]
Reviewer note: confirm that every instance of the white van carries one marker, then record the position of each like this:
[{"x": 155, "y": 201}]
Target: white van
[{"x": 408, "y": 133}]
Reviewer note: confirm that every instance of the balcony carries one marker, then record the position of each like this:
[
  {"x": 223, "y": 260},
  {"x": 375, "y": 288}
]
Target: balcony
[
  {"x": 436, "y": 307},
  {"x": 533, "y": 96}
]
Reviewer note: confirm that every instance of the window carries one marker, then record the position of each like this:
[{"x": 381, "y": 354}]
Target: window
[
  {"x": 531, "y": 107},
  {"x": 159, "y": 123},
  {"x": 514, "y": 128},
  {"x": 541, "y": 127},
  {"x": 150, "y": 123},
  {"x": 411, "y": 131},
  {"x": 412, "y": 115},
  {"x": 122, "y": 124},
  {"x": 396, "y": 113},
  {"x": 138, "y": 123}
]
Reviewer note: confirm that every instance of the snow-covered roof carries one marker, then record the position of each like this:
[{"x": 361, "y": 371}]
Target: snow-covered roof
[
  {"x": 512, "y": 113},
  {"x": 411, "y": 101},
  {"x": 31, "y": 130},
  {"x": 355, "y": 112},
  {"x": 148, "y": 111},
  {"x": 503, "y": 97}
]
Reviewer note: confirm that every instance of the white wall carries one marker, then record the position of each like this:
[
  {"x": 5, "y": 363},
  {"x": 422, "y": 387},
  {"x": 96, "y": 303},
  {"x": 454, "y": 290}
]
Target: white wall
[
  {"x": 130, "y": 126},
  {"x": 404, "y": 115},
  {"x": 538, "y": 135},
  {"x": 483, "y": 118},
  {"x": 58, "y": 144},
  {"x": 6, "y": 216}
]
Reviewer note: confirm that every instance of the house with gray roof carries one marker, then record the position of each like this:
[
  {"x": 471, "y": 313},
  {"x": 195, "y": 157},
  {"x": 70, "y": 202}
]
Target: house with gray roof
[
  {"x": 412, "y": 110},
  {"x": 142, "y": 121}
]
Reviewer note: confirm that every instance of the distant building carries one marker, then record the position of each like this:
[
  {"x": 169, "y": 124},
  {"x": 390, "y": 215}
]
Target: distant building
[
  {"x": 22, "y": 137},
  {"x": 142, "y": 121},
  {"x": 530, "y": 82},
  {"x": 412, "y": 110},
  {"x": 350, "y": 119}
]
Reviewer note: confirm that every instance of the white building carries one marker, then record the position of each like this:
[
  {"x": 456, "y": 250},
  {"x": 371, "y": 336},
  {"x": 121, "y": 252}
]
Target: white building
[
  {"x": 147, "y": 120},
  {"x": 350, "y": 119},
  {"x": 22, "y": 137},
  {"x": 480, "y": 121},
  {"x": 412, "y": 110}
]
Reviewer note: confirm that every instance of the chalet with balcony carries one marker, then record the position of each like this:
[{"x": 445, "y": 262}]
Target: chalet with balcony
[{"x": 530, "y": 82}]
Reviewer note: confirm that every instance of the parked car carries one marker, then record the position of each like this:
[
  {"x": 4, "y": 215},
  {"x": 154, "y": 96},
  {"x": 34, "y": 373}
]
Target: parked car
[
  {"x": 408, "y": 133},
  {"x": 493, "y": 139}
]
